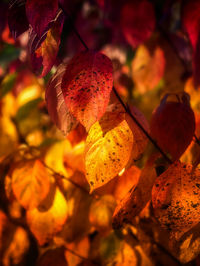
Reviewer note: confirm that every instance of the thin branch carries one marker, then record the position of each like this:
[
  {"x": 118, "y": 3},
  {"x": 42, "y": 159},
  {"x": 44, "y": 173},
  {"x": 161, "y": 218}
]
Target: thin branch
[
  {"x": 64, "y": 177},
  {"x": 196, "y": 139},
  {"x": 73, "y": 27},
  {"x": 120, "y": 100},
  {"x": 128, "y": 111}
]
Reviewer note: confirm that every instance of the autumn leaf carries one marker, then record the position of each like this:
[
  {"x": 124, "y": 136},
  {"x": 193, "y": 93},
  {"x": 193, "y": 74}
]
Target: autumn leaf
[
  {"x": 173, "y": 126},
  {"x": 86, "y": 86},
  {"x": 56, "y": 106},
  {"x": 108, "y": 147},
  {"x": 190, "y": 21},
  {"x": 43, "y": 50},
  {"x": 137, "y": 197},
  {"x": 101, "y": 211},
  {"x": 49, "y": 217},
  {"x": 175, "y": 198},
  {"x": 30, "y": 183},
  {"x": 147, "y": 68},
  {"x": 17, "y": 19},
  {"x": 137, "y": 21},
  {"x": 40, "y": 14}
]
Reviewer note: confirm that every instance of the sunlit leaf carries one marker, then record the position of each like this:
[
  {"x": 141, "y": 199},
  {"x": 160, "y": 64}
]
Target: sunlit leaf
[
  {"x": 8, "y": 136},
  {"x": 136, "y": 199},
  {"x": 175, "y": 198},
  {"x": 86, "y": 86},
  {"x": 132, "y": 255},
  {"x": 56, "y": 106},
  {"x": 108, "y": 147},
  {"x": 74, "y": 157},
  {"x": 17, "y": 248},
  {"x": 137, "y": 21},
  {"x": 30, "y": 183},
  {"x": 147, "y": 68},
  {"x": 50, "y": 216},
  {"x": 57, "y": 150},
  {"x": 40, "y": 14}
]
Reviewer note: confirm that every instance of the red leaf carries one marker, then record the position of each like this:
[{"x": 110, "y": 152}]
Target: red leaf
[
  {"x": 191, "y": 23},
  {"x": 43, "y": 50},
  {"x": 86, "y": 86},
  {"x": 17, "y": 19},
  {"x": 56, "y": 106},
  {"x": 137, "y": 21},
  {"x": 40, "y": 13},
  {"x": 173, "y": 126},
  {"x": 191, "y": 20}
]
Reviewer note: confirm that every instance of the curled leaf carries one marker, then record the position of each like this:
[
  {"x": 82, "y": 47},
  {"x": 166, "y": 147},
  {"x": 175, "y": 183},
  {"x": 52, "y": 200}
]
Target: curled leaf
[
  {"x": 40, "y": 13},
  {"x": 56, "y": 106},
  {"x": 43, "y": 49}
]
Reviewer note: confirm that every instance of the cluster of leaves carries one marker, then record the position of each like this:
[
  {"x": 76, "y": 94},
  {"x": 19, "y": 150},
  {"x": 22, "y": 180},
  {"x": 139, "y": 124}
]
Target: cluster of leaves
[{"x": 86, "y": 178}]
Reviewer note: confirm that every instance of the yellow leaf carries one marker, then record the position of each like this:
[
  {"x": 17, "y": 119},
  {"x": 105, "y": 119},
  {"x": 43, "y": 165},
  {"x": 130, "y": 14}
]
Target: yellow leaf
[
  {"x": 101, "y": 211},
  {"x": 8, "y": 136},
  {"x": 147, "y": 68},
  {"x": 30, "y": 183},
  {"x": 49, "y": 217},
  {"x": 55, "y": 156},
  {"x": 108, "y": 147}
]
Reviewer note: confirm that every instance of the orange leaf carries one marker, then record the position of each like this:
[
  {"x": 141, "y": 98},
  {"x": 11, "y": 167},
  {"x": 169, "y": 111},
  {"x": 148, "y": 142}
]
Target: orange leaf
[
  {"x": 147, "y": 68},
  {"x": 136, "y": 199},
  {"x": 86, "y": 86},
  {"x": 30, "y": 183},
  {"x": 175, "y": 197},
  {"x": 108, "y": 147},
  {"x": 49, "y": 217}
]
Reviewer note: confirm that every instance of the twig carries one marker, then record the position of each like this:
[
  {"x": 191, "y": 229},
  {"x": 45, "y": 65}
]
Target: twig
[
  {"x": 64, "y": 177},
  {"x": 196, "y": 139},
  {"x": 73, "y": 27},
  {"x": 128, "y": 111}
]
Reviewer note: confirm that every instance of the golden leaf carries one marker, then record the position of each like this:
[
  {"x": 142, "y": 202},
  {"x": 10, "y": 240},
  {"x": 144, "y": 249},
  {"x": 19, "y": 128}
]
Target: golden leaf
[
  {"x": 30, "y": 183},
  {"x": 108, "y": 147},
  {"x": 50, "y": 216}
]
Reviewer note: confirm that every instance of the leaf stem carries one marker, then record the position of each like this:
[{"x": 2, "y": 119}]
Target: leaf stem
[
  {"x": 128, "y": 111},
  {"x": 73, "y": 27}
]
